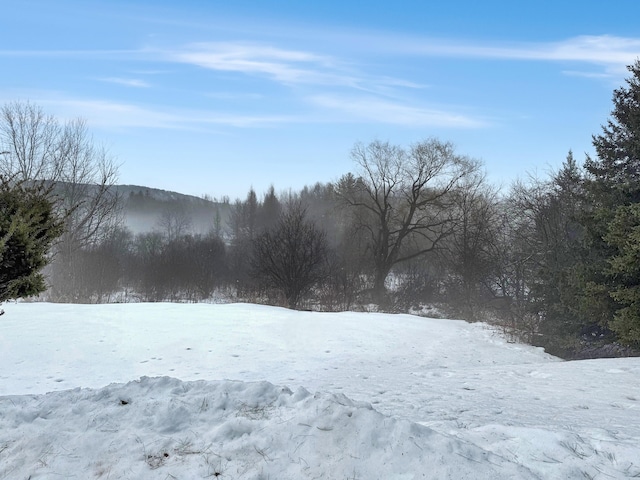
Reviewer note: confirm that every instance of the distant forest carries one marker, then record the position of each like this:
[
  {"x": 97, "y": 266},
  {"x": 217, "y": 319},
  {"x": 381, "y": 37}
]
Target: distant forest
[{"x": 555, "y": 261}]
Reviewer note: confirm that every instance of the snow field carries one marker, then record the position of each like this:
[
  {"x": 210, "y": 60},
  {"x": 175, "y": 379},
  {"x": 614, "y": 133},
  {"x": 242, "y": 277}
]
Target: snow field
[{"x": 398, "y": 397}]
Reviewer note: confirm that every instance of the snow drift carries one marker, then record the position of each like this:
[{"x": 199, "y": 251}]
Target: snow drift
[{"x": 165, "y": 428}]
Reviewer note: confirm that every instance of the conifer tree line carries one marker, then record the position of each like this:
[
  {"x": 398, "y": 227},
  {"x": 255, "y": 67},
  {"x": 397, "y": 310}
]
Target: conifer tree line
[{"x": 555, "y": 260}]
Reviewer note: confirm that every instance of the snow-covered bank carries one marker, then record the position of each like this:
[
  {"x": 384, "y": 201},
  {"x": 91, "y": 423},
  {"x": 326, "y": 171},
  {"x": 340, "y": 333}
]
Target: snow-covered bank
[
  {"x": 164, "y": 428},
  {"x": 491, "y": 408}
]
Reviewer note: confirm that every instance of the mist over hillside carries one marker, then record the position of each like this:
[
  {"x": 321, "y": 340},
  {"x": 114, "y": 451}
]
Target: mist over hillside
[{"x": 146, "y": 209}]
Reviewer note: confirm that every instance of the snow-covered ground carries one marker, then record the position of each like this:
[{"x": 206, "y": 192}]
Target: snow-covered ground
[{"x": 163, "y": 391}]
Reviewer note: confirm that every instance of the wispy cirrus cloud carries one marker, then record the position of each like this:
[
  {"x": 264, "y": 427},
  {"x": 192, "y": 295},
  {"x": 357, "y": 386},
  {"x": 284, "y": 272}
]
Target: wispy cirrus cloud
[
  {"x": 282, "y": 65},
  {"x": 127, "y": 82},
  {"x": 286, "y": 66},
  {"x": 68, "y": 53},
  {"x": 612, "y": 52},
  {"x": 111, "y": 114},
  {"x": 376, "y": 110},
  {"x": 234, "y": 95},
  {"x": 603, "y": 49},
  {"x": 344, "y": 91},
  {"x": 115, "y": 115},
  {"x": 577, "y": 73},
  {"x": 293, "y": 65}
]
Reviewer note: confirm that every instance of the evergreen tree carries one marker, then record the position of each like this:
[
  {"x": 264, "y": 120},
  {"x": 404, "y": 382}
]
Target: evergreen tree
[
  {"x": 613, "y": 195},
  {"x": 624, "y": 272},
  {"x": 616, "y": 171},
  {"x": 28, "y": 228},
  {"x": 270, "y": 210},
  {"x": 558, "y": 237}
]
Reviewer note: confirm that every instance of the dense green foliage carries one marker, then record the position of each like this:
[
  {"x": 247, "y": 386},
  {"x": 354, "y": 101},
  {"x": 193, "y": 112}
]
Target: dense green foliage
[
  {"x": 612, "y": 186},
  {"x": 28, "y": 228},
  {"x": 624, "y": 272}
]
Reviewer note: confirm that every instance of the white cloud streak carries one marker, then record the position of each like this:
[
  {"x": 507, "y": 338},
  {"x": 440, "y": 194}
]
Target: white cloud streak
[
  {"x": 114, "y": 115},
  {"x": 285, "y": 66},
  {"x": 296, "y": 65},
  {"x": 576, "y": 73},
  {"x": 376, "y": 110},
  {"x": 610, "y": 51},
  {"x": 127, "y": 82},
  {"x": 72, "y": 53}
]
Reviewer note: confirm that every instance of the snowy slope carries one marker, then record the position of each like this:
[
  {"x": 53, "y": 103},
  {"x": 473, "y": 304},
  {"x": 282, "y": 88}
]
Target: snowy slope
[{"x": 450, "y": 399}]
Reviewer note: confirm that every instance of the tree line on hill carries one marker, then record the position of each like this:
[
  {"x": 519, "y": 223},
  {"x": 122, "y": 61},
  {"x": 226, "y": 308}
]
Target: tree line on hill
[{"x": 554, "y": 260}]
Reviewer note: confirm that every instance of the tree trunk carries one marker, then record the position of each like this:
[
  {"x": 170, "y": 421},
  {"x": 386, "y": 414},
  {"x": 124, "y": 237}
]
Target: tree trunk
[{"x": 380, "y": 295}]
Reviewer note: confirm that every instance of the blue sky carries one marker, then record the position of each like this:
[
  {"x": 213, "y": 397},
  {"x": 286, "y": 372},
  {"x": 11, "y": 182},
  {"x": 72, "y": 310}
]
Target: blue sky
[{"x": 217, "y": 96}]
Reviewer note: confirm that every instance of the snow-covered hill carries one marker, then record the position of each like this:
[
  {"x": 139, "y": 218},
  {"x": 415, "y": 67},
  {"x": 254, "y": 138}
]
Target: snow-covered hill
[{"x": 392, "y": 396}]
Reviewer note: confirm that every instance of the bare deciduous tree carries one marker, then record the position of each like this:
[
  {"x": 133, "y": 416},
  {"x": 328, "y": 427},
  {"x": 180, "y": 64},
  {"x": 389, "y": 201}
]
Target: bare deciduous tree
[
  {"x": 291, "y": 256},
  {"x": 30, "y": 141},
  {"x": 41, "y": 149},
  {"x": 401, "y": 199},
  {"x": 468, "y": 252},
  {"x": 174, "y": 222}
]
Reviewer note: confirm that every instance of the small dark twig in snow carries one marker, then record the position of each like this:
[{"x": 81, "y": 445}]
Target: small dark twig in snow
[
  {"x": 468, "y": 458},
  {"x": 262, "y": 453},
  {"x": 325, "y": 429}
]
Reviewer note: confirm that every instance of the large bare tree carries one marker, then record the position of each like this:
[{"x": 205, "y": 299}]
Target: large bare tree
[
  {"x": 30, "y": 143},
  {"x": 40, "y": 148},
  {"x": 401, "y": 199}
]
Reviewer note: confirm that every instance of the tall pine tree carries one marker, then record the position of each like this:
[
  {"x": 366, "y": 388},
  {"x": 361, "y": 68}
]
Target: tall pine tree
[
  {"x": 611, "y": 223},
  {"x": 557, "y": 237},
  {"x": 624, "y": 272},
  {"x": 616, "y": 171}
]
